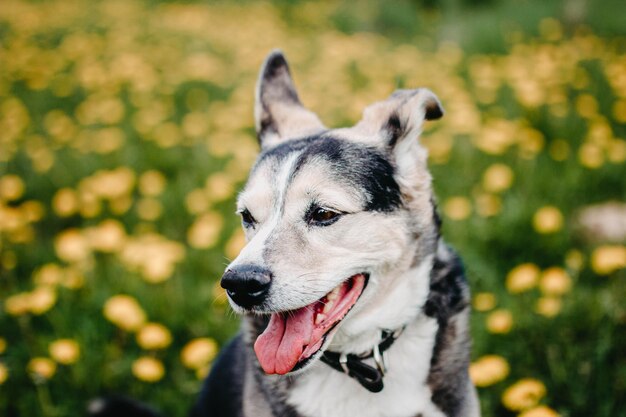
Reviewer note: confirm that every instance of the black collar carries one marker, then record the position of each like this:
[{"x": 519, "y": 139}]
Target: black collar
[{"x": 352, "y": 365}]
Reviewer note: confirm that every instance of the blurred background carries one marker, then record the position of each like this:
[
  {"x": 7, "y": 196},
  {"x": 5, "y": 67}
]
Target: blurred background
[{"x": 126, "y": 130}]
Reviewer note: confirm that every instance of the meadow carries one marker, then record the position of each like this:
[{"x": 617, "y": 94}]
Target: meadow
[{"x": 126, "y": 129}]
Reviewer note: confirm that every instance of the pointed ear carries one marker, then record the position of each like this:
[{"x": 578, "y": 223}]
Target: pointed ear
[
  {"x": 279, "y": 114},
  {"x": 401, "y": 116}
]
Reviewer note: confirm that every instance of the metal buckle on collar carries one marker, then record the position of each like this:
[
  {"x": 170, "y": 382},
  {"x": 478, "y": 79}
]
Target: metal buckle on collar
[{"x": 343, "y": 361}]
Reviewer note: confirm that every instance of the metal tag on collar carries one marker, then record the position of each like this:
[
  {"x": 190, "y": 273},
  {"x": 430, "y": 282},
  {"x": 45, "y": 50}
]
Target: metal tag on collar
[{"x": 379, "y": 358}]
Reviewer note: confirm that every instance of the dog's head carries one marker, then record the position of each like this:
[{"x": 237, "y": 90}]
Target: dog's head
[{"x": 338, "y": 222}]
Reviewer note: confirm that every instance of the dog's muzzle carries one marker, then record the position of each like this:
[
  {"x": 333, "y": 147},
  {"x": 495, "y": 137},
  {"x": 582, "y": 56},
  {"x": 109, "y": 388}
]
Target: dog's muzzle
[{"x": 247, "y": 285}]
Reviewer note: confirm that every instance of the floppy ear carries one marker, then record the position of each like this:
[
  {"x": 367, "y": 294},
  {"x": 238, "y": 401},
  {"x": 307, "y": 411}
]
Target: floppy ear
[
  {"x": 279, "y": 114},
  {"x": 394, "y": 125},
  {"x": 400, "y": 117}
]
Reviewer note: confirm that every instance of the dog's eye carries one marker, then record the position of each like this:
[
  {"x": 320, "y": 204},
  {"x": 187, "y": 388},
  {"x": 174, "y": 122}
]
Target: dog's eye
[
  {"x": 247, "y": 218},
  {"x": 323, "y": 217}
]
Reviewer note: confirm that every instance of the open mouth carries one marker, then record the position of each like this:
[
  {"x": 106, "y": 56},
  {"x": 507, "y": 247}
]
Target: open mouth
[{"x": 291, "y": 337}]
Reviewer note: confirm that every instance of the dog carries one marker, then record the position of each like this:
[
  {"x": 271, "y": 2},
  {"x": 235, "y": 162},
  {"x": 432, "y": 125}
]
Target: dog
[{"x": 352, "y": 304}]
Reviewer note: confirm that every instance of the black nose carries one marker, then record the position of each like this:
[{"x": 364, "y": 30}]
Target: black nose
[{"x": 247, "y": 285}]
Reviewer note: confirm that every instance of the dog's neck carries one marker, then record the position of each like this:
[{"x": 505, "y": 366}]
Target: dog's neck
[
  {"x": 322, "y": 391},
  {"x": 407, "y": 292}
]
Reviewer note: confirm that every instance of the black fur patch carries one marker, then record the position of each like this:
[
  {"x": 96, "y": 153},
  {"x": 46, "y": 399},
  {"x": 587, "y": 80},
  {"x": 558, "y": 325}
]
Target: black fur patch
[
  {"x": 117, "y": 406},
  {"x": 433, "y": 111},
  {"x": 362, "y": 167},
  {"x": 277, "y": 67},
  {"x": 447, "y": 301},
  {"x": 267, "y": 127},
  {"x": 276, "y": 86},
  {"x": 395, "y": 129}
]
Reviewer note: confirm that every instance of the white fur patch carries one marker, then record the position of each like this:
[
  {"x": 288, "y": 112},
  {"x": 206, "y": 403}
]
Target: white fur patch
[{"x": 324, "y": 392}]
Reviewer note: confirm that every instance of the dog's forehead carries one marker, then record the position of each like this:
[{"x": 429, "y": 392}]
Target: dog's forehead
[{"x": 325, "y": 158}]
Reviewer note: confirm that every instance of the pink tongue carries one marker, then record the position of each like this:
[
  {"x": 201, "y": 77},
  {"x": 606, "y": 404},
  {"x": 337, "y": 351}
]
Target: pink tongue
[{"x": 282, "y": 343}]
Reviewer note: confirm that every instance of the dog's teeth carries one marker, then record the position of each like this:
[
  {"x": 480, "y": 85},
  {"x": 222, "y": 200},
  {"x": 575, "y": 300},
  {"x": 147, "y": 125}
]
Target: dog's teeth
[
  {"x": 328, "y": 306},
  {"x": 333, "y": 294},
  {"x": 320, "y": 318}
]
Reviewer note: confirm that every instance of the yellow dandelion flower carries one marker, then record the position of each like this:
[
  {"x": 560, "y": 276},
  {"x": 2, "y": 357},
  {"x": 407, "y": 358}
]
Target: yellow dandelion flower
[
  {"x": 109, "y": 236},
  {"x": 457, "y": 208},
  {"x": 531, "y": 142},
  {"x": 18, "y": 304},
  {"x": 197, "y": 201},
  {"x": 110, "y": 184},
  {"x": 574, "y": 259},
  {"x": 555, "y": 281},
  {"x": 73, "y": 279},
  {"x": 439, "y": 147},
  {"x": 148, "y": 369},
  {"x": 125, "y": 312},
  {"x": 90, "y": 204},
  {"x": 199, "y": 352},
  {"x": 33, "y": 210},
  {"x": 219, "y": 187},
  {"x": 522, "y": 278},
  {"x": 49, "y": 275},
  {"x": 121, "y": 205},
  {"x": 151, "y": 183},
  {"x": 488, "y": 205},
  {"x": 153, "y": 256},
  {"x": 59, "y": 126},
  {"x": 154, "y": 336},
  {"x": 540, "y": 411},
  {"x": 64, "y": 351},
  {"x": 489, "y": 370},
  {"x": 157, "y": 271},
  {"x": 586, "y": 105},
  {"x": 591, "y": 155},
  {"x": 71, "y": 246},
  {"x": 524, "y": 394},
  {"x": 500, "y": 321},
  {"x": 44, "y": 368},
  {"x": 149, "y": 209},
  {"x": 484, "y": 301},
  {"x": 234, "y": 245},
  {"x": 11, "y": 187},
  {"x": 167, "y": 134},
  {"x": 616, "y": 151},
  {"x": 205, "y": 231},
  {"x": 41, "y": 300},
  {"x": 43, "y": 159},
  {"x": 203, "y": 372},
  {"x": 195, "y": 124},
  {"x": 548, "y": 306},
  {"x": 24, "y": 234},
  {"x": 4, "y": 373},
  {"x": 219, "y": 294},
  {"x": 65, "y": 202},
  {"x": 548, "y": 219},
  {"x": 619, "y": 111},
  {"x": 106, "y": 140},
  {"x": 607, "y": 259}
]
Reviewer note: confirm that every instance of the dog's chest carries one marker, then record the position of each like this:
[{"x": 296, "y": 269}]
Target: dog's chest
[{"x": 324, "y": 392}]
